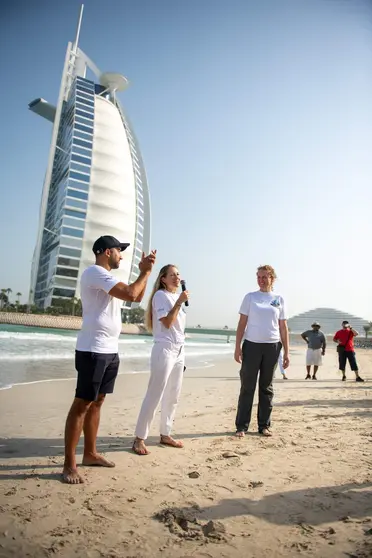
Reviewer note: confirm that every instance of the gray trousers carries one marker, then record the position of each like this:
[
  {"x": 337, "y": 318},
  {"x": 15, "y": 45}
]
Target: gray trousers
[{"x": 257, "y": 358}]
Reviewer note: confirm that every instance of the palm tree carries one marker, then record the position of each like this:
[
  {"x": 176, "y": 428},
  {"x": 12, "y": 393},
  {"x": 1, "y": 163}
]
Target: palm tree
[
  {"x": 367, "y": 328},
  {"x": 18, "y": 295},
  {"x": 8, "y": 292},
  {"x": 3, "y": 298}
]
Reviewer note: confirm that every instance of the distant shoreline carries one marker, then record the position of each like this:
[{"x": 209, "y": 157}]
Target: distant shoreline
[
  {"x": 48, "y": 321},
  {"x": 58, "y": 322}
]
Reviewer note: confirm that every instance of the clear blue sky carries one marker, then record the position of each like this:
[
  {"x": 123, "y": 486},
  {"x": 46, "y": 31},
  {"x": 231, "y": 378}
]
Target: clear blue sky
[{"x": 255, "y": 122}]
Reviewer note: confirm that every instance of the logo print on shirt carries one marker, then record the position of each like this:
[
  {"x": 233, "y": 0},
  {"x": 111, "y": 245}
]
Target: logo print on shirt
[{"x": 275, "y": 302}]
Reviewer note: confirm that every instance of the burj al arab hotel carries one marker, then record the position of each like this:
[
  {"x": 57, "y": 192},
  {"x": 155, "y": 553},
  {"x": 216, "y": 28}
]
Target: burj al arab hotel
[{"x": 95, "y": 182}]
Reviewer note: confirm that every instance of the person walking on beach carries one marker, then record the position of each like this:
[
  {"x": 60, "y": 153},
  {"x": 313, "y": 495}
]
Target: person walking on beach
[
  {"x": 263, "y": 325},
  {"x": 316, "y": 346},
  {"x": 166, "y": 319},
  {"x": 96, "y": 356},
  {"x": 345, "y": 347}
]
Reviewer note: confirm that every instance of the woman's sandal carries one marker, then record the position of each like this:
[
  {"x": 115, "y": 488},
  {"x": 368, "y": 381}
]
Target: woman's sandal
[
  {"x": 171, "y": 442},
  {"x": 138, "y": 451}
]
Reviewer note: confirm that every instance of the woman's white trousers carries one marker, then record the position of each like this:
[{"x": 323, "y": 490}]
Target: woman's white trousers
[{"x": 166, "y": 376}]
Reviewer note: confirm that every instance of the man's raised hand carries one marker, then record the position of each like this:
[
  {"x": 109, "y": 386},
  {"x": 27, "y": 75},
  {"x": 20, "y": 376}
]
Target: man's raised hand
[{"x": 147, "y": 262}]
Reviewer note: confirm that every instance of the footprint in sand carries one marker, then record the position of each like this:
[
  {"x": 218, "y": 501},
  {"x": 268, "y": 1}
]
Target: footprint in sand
[{"x": 229, "y": 454}]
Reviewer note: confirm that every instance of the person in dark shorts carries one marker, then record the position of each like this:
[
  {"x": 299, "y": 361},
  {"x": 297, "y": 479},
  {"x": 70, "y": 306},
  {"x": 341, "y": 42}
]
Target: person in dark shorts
[
  {"x": 346, "y": 352},
  {"x": 96, "y": 356}
]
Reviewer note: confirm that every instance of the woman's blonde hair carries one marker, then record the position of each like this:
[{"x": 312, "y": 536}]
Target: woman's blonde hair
[
  {"x": 158, "y": 285},
  {"x": 269, "y": 269}
]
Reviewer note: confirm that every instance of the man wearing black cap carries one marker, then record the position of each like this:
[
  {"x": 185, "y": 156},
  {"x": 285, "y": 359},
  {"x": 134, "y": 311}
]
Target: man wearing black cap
[
  {"x": 346, "y": 352},
  {"x": 96, "y": 356},
  {"x": 316, "y": 346}
]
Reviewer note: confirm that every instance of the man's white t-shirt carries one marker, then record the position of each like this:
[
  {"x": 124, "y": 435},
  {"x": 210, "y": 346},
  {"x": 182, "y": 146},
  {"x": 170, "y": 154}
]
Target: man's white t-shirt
[
  {"x": 162, "y": 304},
  {"x": 264, "y": 310},
  {"x": 101, "y": 312}
]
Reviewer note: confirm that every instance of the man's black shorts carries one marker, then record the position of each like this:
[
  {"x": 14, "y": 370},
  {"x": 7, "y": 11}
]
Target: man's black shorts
[{"x": 96, "y": 374}]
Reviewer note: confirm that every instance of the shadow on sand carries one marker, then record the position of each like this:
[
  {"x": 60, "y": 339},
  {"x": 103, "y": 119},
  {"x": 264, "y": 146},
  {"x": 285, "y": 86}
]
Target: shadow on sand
[{"x": 313, "y": 506}]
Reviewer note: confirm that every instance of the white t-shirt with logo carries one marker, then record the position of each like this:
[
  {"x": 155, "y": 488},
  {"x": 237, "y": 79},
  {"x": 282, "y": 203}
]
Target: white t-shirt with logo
[
  {"x": 101, "y": 312},
  {"x": 264, "y": 310},
  {"x": 162, "y": 304}
]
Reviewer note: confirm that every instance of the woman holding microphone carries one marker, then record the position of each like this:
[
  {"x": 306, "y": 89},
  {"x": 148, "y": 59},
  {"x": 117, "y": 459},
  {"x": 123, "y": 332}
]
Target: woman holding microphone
[{"x": 166, "y": 319}]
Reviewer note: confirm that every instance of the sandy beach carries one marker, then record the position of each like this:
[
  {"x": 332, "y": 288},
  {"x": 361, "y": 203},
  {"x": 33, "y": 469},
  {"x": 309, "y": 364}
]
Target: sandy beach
[{"x": 304, "y": 492}]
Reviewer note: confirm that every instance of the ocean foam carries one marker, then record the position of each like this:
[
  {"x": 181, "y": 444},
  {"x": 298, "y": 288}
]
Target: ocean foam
[{"x": 37, "y": 337}]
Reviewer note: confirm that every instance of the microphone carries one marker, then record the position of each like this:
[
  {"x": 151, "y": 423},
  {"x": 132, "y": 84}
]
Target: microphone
[{"x": 183, "y": 287}]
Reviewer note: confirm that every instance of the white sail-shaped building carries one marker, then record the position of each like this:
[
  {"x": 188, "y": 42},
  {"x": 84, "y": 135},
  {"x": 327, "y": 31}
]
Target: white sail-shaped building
[{"x": 95, "y": 182}]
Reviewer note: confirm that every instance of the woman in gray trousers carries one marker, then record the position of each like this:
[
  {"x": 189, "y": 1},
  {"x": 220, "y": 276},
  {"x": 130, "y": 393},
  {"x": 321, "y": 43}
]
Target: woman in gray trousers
[{"x": 263, "y": 329}]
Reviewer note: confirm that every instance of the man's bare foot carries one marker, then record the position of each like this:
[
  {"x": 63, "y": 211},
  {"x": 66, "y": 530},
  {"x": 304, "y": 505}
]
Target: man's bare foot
[
  {"x": 239, "y": 434},
  {"x": 139, "y": 447},
  {"x": 96, "y": 460},
  {"x": 169, "y": 441},
  {"x": 70, "y": 475}
]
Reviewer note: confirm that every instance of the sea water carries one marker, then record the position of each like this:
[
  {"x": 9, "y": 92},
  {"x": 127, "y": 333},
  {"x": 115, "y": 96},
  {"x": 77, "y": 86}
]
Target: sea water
[{"x": 29, "y": 355}]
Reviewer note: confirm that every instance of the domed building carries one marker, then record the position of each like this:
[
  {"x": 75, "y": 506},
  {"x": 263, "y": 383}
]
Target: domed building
[{"x": 329, "y": 319}]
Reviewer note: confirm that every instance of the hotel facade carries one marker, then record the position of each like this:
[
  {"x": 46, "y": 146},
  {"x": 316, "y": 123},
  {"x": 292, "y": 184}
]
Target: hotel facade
[{"x": 95, "y": 181}]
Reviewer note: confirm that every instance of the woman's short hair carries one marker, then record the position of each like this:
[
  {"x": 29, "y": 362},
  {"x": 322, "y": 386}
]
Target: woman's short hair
[{"x": 269, "y": 269}]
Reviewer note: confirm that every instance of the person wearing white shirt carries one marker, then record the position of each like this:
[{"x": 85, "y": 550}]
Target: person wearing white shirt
[
  {"x": 263, "y": 325},
  {"x": 97, "y": 347},
  {"x": 166, "y": 319}
]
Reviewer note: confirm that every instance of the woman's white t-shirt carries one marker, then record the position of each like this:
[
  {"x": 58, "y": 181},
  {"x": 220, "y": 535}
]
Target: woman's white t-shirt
[
  {"x": 162, "y": 304},
  {"x": 264, "y": 310}
]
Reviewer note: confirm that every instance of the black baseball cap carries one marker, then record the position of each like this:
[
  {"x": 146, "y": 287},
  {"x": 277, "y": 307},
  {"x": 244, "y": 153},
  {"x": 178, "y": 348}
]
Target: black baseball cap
[{"x": 106, "y": 242}]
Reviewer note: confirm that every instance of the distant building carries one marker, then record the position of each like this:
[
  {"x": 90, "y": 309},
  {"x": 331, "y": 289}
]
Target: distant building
[
  {"x": 329, "y": 319},
  {"x": 95, "y": 181}
]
